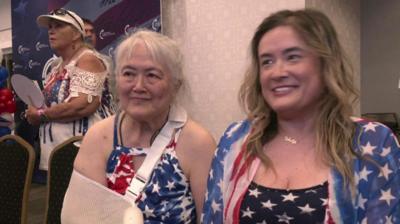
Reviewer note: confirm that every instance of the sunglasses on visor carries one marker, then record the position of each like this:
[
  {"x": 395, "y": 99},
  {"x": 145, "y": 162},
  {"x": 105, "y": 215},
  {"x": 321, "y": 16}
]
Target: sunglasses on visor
[{"x": 63, "y": 12}]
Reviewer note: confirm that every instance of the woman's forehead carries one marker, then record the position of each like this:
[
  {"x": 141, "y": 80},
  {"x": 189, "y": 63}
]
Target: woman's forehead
[
  {"x": 141, "y": 52},
  {"x": 57, "y": 22},
  {"x": 140, "y": 60}
]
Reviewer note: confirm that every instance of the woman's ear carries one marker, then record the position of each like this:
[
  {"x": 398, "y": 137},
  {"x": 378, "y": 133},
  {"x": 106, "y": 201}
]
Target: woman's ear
[{"x": 77, "y": 35}]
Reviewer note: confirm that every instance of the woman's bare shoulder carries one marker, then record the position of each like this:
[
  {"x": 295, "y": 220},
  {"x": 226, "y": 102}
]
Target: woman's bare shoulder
[
  {"x": 196, "y": 137},
  {"x": 95, "y": 150},
  {"x": 98, "y": 140},
  {"x": 101, "y": 129},
  {"x": 91, "y": 63}
]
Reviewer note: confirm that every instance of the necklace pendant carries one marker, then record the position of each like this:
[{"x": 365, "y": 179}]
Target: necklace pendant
[{"x": 290, "y": 140}]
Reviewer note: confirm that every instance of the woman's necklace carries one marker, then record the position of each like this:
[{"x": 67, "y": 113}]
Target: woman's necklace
[
  {"x": 296, "y": 139},
  {"x": 153, "y": 136},
  {"x": 289, "y": 139}
]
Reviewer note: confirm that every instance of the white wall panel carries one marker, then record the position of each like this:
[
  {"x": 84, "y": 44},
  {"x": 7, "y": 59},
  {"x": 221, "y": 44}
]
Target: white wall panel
[
  {"x": 214, "y": 36},
  {"x": 5, "y": 24}
]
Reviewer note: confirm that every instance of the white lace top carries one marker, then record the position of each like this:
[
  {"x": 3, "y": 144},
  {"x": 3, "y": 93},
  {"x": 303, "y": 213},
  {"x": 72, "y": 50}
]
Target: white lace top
[
  {"x": 78, "y": 80},
  {"x": 60, "y": 86}
]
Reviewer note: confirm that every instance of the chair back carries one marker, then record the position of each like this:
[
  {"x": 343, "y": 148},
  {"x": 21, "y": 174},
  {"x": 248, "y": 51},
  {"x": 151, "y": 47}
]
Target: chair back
[
  {"x": 17, "y": 159},
  {"x": 388, "y": 119},
  {"x": 61, "y": 164}
]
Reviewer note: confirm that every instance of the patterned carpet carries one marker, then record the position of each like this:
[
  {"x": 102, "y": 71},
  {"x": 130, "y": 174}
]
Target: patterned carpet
[{"x": 37, "y": 204}]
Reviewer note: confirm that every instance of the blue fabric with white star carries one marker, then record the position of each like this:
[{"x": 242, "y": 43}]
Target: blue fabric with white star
[
  {"x": 167, "y": 197},
  {"x": 377, "y": 183},
  {"x": 267, "y": 205}
]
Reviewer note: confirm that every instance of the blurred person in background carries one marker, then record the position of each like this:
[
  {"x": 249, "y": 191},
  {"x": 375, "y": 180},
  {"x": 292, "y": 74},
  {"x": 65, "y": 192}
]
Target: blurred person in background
[
  {"x": 90, "y": 32},
  {"x": 73, "y": 88}
]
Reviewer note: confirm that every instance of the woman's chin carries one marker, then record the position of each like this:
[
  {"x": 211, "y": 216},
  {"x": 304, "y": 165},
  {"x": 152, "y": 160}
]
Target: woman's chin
[
  {"x": 138, "y": 113},
  {"x": 141, "y": 113},
  {"x": 283, "y": 107}
]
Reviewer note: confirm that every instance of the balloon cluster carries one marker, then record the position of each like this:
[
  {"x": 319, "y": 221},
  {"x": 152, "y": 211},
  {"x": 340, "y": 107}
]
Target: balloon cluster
[{"x": 7, "y": 104}]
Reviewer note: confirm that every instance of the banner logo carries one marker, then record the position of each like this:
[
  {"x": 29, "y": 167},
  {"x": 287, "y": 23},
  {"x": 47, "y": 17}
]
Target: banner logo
[
  {"x": 17, "y": 66},
  {"x": 105, "y": 3},
  {"x": 110, "y": 51},
  {"x": 128, "y": 29},
  {"x": 104, "y": 34},
  {"x": 156, "y": 25},
  {"x": 40, "y": 46},
  {"x": 22, "y": 49},
  {"x": 33, "y": 63}
]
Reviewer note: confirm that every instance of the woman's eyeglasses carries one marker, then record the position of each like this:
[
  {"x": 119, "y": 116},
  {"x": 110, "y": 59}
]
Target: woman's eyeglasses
[{"x": 63, "y": 12}]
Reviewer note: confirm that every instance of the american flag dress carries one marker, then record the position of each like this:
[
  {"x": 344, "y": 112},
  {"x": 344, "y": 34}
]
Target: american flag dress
[
  {"x": 377, "y": 184},
  {"x": 167, "y": 197}
]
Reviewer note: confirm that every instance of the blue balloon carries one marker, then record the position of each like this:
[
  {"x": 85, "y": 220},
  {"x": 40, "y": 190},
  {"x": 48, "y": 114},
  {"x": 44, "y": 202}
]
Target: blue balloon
[
  {"x": 4, "y": 131},
  {"x": 3, "y": 73},
  {"x": 3, "y": 84}
]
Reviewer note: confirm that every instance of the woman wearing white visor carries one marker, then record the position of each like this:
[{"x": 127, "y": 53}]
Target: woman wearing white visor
[{"x": 73, "y": 88}]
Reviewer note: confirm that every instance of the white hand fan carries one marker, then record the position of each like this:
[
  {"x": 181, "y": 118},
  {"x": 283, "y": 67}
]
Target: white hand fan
[{"x": 27, "y": 90}]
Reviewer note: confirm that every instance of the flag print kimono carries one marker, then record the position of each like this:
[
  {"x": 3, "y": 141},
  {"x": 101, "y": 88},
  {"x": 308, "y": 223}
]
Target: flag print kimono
[{"x": 377, "y": 186}]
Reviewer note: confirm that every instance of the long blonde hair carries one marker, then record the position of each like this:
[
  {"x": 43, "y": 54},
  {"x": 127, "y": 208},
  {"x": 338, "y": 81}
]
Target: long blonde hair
[{"x": 335, "y": 129}]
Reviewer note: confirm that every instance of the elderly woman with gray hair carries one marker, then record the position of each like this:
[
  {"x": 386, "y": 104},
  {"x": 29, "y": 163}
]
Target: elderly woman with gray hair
[{"x": 150, "y": 152}]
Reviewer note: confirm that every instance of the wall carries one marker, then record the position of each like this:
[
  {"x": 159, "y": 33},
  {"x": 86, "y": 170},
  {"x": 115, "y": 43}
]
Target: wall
[
  {"x": 345, "y": 16},
  {"x": 5, "y": 25},
  {"x": 214, "y": 36},
  {"x": 380, "y": 56}
]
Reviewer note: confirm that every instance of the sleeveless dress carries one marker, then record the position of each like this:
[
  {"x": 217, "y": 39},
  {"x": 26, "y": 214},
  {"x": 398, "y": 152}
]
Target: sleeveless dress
[
  {"x": 61, "y": 86},
  {"x": 167, "y": 197},
  {"x": 270, "y": 205}
]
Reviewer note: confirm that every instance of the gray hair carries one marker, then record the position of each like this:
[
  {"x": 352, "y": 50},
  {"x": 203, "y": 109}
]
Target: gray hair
[{"x": 163, "y": 50}]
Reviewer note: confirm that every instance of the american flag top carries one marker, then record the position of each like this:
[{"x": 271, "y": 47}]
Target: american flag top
[{"x": 377, "y": 186}]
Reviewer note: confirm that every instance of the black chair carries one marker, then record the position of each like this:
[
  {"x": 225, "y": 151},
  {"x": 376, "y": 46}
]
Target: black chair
[
  {"x": 389, "y": 119},
  {"x": 61, "y": 164},
  {"x": 16, "y": 167}
]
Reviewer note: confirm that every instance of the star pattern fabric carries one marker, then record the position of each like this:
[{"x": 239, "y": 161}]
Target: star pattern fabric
[
  {"x": 283, "y": 206},
  {"x": 167, "y": 197},
  {"x": 376, "y": 196}
]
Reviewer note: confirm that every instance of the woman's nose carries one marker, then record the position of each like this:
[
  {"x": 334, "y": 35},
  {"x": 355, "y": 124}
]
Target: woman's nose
[
  {"x": 280, "y": 70},
  {"x": 50, "y": 30},
  {"x": 139, "y": 83}
]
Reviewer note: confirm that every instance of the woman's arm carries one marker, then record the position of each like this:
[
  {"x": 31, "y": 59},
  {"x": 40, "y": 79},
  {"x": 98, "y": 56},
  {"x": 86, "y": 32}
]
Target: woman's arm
[
  {"x": 195, "y": 150},
  {"x": 94, "y": 151},
  {"x": 78, "y": 106},
  {"x": 379, "y": 189}
]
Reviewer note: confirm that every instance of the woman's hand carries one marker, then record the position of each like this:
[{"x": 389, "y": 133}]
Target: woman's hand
[{"x": 32, "y": 115}]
